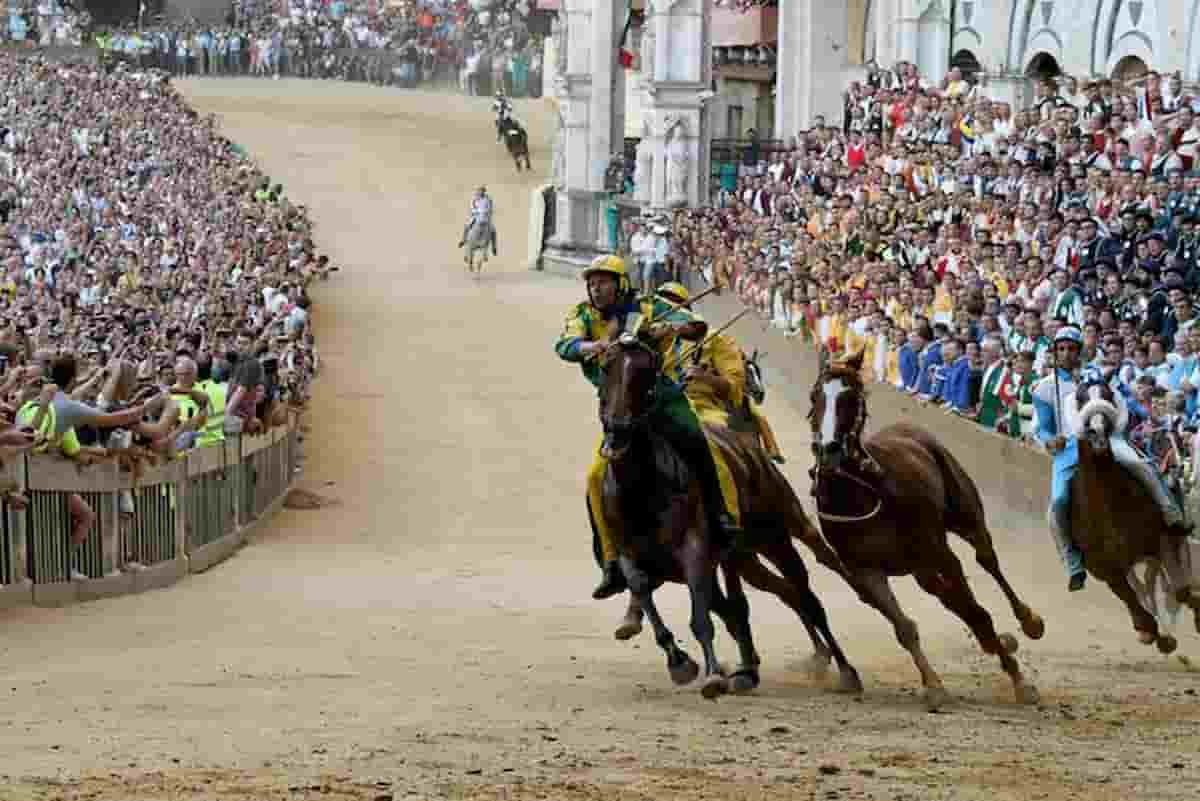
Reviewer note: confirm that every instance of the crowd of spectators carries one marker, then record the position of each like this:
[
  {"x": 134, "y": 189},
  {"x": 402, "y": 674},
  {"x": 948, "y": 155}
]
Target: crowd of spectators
[
  {"x": 409, "y": 44},
  {"x": 153, "y": 280},
  {"x": 950, "y": 235}
]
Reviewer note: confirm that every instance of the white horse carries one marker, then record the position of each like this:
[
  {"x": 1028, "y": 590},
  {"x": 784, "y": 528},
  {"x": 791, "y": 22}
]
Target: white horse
[{"x": 478, "y": 239}]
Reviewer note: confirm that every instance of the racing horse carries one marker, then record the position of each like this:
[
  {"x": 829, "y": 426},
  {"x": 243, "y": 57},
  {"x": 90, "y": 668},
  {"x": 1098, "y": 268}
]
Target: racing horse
[
  {"x": 654, "y": 504},
  {"x": 478, "y": 240},
  {"x": 517, "y": 142},
  {"x": 1118, "y": 527},
  {"x": 885, "y": 504}
]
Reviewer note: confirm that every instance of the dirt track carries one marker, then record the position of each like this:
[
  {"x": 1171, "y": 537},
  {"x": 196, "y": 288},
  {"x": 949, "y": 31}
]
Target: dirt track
[{"x": 432, "y": 637}]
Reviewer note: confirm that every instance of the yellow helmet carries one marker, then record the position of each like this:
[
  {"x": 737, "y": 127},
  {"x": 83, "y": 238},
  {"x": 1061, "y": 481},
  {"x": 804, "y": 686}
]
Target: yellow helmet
[
  {"x": 673, "y": 290},
  {"x": 613, "y": 265}
]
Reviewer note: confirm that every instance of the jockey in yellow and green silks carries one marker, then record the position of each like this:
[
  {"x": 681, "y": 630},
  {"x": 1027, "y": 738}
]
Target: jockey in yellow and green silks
[
  {"x": 589, "y": 330},
  {"x": 717, "y": 382}
]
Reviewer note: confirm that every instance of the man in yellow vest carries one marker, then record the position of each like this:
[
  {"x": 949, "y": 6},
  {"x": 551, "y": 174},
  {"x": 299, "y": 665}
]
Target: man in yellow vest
[
  {"x": 213, "y": 432},
  {"x": 590, "y": 329},
  {"x": 717, "y": 382}
]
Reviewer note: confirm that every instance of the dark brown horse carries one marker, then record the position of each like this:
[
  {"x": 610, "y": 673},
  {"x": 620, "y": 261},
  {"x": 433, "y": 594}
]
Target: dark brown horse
[
  {"x": 1118, "y": 526},
  {"x": 654, "y": 506},
  {"x": 885, "y": 505},
  {"x": 517, "y": 142}
]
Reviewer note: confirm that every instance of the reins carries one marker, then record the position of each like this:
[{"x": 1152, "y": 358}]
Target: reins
[{"x": 860, "y": 422}]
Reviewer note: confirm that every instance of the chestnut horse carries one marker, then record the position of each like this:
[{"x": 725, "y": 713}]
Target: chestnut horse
[
  {"x": 885, "y": 505},
  {"x": 655, "y": 508},
  {"x": 1118, "y": 526}
]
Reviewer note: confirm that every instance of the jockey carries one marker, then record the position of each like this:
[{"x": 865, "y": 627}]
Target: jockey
[
  {"x": 591, "y": 328},
  {"x": 480, "y": 212},
  {"x": 1053, "y": 396},
  {"x": 1061, "y": 439},
  {"x": 717, "y": 381},
  {"x": 503, "y": 108}
]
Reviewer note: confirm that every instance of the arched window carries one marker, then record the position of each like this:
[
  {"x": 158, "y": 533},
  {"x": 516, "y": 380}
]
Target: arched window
[
  {"x": 1129, "y": 67},
  {"x": 965, "y": 61},
  {"x": 1043, "y": 66}
]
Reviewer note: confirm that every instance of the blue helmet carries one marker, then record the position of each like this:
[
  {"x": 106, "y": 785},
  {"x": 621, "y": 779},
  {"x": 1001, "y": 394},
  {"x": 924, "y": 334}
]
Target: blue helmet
[{"x": 1069, "y": 333}]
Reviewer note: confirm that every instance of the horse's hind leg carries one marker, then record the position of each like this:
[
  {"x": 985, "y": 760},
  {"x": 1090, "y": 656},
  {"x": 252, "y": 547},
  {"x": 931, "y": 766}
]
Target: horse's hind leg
[
  {"x": 681, "y": 666},
  {"x": 874, "y": 588},
  {"x": 783, "y": 555},
  {"x": 948, "y": 582},
  {"x": 761, "y": 578},
  {"x": 734, "y": 609},
  {"x": 985, "y": 554}
]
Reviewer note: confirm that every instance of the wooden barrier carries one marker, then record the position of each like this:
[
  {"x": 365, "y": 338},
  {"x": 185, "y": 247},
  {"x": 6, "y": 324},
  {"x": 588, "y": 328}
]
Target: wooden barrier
[{"x": 179, "y": 517}]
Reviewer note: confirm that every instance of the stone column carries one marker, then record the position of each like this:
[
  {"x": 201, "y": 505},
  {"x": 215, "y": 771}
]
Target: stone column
[
  {"x": 675, "y": 87},
  {"x": 812, "y": 58},
  {"x": 590, "y": 121}
]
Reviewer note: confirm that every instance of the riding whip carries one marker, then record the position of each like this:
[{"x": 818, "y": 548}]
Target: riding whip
[{"x": 677, "y": 306}]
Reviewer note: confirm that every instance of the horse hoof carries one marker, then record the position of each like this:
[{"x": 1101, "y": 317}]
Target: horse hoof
[
  {"x": 744, "y": 681},
  {"x": 816, "y": 665},
  {"x": 1033, "y": 626},
  {"x": 1028, "y": 694},
  {"x": 715, "y": 685},
  {"x": 1167, "y": 644},
  {"x": 850, "y": 683},
  {"x": 628, "y": 630},
  {"x": 685, "y": 672},
  {"x": 1009, "y": 643},
  {"x": 936, "y": 698},
  {"x": 1145, "y": 637}
]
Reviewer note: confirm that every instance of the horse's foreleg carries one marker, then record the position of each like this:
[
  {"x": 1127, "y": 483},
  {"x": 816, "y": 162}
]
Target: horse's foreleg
[
  {"x": 761, "y": 578},
  {"x": 735, "y": 612},
  {"x": 700, "y": 570},
  {"x": 1143, "y": 622},
  {"x": 682, "y": 668},
  {"x": 783, "y": 555},
  {"x": 1182, "y": 582},
  {"x": 876, "y": 591}
]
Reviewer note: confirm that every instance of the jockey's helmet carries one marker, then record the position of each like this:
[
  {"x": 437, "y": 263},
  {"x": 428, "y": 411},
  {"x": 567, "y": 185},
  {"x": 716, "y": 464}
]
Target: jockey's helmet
[
  {"x": 1069, "y": 333},
  {"x": 613, "y": 265},
  {"x": 674, "y": 292}
]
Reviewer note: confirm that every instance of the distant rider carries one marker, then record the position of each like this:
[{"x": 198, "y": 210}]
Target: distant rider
[
  {"x": 480, "y": 212},
  {"x": 503, "y": 108}
]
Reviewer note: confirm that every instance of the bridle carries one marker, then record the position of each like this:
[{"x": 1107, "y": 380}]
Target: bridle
[
  {"x": 855, "y": 451},
  {"x": 627, "y": 424}
]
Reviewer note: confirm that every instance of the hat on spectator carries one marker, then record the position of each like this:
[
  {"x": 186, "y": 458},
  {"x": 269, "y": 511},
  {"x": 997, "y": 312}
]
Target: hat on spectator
[{"x": 1068, "y": 333}]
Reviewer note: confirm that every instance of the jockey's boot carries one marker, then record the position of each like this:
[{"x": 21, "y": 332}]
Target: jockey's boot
[
  {"x": 1076, "y": 582},
  {"x": 612, "y": 582}
]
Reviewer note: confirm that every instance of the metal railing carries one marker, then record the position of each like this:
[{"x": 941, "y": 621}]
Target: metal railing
[{"x": 175, "y": 518}]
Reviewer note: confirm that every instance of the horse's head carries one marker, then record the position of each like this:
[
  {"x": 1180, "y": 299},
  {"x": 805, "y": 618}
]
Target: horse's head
[
  {"x": 839, "y": 411},
  {"x": 1098, "y": 416},
  {"x": 627, "y": 396},
  {"x": 756, "y": 387}
]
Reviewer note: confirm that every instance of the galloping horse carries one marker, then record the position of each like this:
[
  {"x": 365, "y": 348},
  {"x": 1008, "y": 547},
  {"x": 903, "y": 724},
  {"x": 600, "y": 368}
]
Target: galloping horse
[
  {"x": 885, "y": 505},
  {"x": 1118, "y": 526},
  {"x": 478, "y": 240},
  {"x": 517, "y": 142},
  {"x": 655, "y": 506}
]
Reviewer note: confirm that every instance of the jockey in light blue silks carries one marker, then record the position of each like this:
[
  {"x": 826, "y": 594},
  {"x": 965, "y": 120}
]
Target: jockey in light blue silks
[
  {"x": 481, "y": 212},
  {"x": 1061, "y": 439}
]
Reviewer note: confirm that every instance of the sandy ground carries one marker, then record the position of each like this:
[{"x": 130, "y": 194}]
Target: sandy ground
[{"x": 433, "y": 636}]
